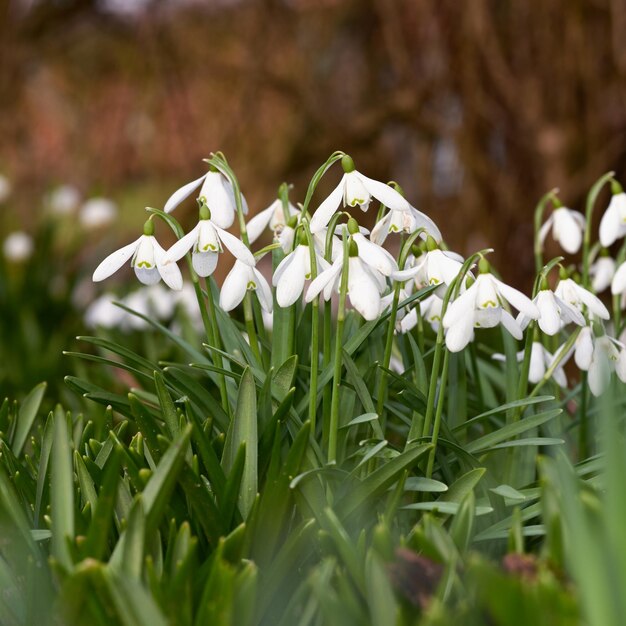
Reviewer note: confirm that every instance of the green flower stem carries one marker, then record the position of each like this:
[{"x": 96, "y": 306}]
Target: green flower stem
[
  {"x": 438, "y": 415},
  {"x": 333, "y": 426},
  {"x": 617, "y": 299},
  {"x": 592, "y": 196},
  {"x": 539, "y": 210},
  {"x": 215, "y": 340},
  {"x": 327, "y": 351},
  {"x": 583, "y": 427}
]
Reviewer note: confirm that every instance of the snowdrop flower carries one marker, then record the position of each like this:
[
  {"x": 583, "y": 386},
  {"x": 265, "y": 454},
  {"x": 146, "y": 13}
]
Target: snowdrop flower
[
  {"x": 355, "y": 188},
  {"x": 618, "y": 284},
  {"x": 18, "y": 247},
  {"x": 573, "y": 294},
  {"x": 435, "y": 267},
  {"x": 602, "y": 272},
  {"x": 599, "y": 356},
  {"x": 97, "y": 212},
  {"x": 103, "y": 313},
  {"x": 217, "y": 193},
  {"x": 481, "y": 306},
  {"x": 5, "y": 188},
  {"x": 244, "y": 277},
  {"x": 292, "y": 272},
  {"x": 430, "y": 309},
  {"x": 205, "y": 240},
  {"x": 567, "y": 228},
  {"x": 540, "y": 361},
  {"x": 147, "y": 258},
  {"x": 408, "y": 221},
  {"x": 613, "y": 222},
  {"x": 273, "y": 216},
  {"x": 364, "y": 286},
  {"x": 63, "y": 200},
  {"x": 554, "y": 313},
  {"x": 374, "y": 255},
  {"x": 285, "y": 235}
]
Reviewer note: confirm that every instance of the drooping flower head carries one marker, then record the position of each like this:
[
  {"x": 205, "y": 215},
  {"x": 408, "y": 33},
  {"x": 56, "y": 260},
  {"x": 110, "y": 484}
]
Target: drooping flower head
[
  {"x": 242, "y": 278},
  {"x": 147, "y": 258},
  {"x": 567, "y": 229},
  {"x": 613, "y": 222},
  {"x": 554, "y": 313},
  {"x": 205, "y": 241},
  {"x": 277, "y": 216},
  {"x": 356, "y": 189}
]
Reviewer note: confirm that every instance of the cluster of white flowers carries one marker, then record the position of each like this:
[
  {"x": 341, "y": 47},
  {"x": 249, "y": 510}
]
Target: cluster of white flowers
[{"x": 467, "y": 297}]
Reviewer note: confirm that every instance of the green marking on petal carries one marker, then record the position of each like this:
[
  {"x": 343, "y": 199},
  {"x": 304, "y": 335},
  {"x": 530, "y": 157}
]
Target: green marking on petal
[
  {"x": 251, "y": 285},
  {"x": 489, "y": 304}
]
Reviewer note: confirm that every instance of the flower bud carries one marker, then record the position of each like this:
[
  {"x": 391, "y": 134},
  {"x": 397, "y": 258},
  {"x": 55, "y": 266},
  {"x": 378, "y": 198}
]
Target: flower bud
[{"x": 353, "y": 248}]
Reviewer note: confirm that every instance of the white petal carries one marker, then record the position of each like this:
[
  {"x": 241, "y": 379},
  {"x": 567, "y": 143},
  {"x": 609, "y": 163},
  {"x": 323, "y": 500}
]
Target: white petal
[
  {"x": 180, "y": 194},
  {"x": 384, "y": 193},
  {"x": 283, "y": 265},
  {"x": 570, "y": 313},
  {"x": 259, "y": 223},
  {"x": 375, "y": 256},
  {"x": 182, "y": 246},
  {"x": 291, "y": 281},
  {"x": 610, "y": 222},
  {"x": 114, "y": 261},
  {"x": 423, "y": 221},
  {"x": 325, "y": 211},
  {"x": 236, "y": 247},
  {"x": 517, "y": 299},
  {"x": 599, "y": 373},
  {"x": 170, "y": 272},
  {"x": 549, "y": 318},
  {"x": 594, "y": 304},
  {"x": 620, "y": 366},
  {"x": 204, "y": 263},
  {"x": 567, "y": 230},
  {"x": 545, "y": 229},
  {"x": 147, "y": 275},
  {"x": 381, "y": 230},
  {"x": 263, "y": 291},
  {"x": 409, "y": 321},
  {"x": 323, "y": 279},
  {"x": 510, "y": 324},
  {"x": 235, "y": 286},
  {"x": 219, "y": 199},
  {"x": 584, "y": 349},
  {"x": 362, "y": 290},
  {"x": 462, "y": 307},
  {"x": 602, "y": 271},
  {"x": 537, "y": 363},
  {"x": 618, "y": 285},
  {"x": 461, "y": 333}
]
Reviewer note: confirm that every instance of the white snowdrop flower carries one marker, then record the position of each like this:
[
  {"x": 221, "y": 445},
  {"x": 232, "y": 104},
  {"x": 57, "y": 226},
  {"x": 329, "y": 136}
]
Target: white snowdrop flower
[
  {"x": 407, "y": 221},
  {"x": 355, "y": 188},
  {"x": 435, "y": 267},
  {"x": 618, "y": 284},
  {"x": 285, "y": 235},
  {"x": 481, "y": 307},
  {"x": 205, "y": 241},
  {"x": 273, "y": 216},
  {"x": 97, "y": 212},
  {"x": 159, "y": 300},
  {"x": 374, "y": 255},
  {"x": 567, "y": 228},
  {"x": 365, "y": 285},
  {"x": 602, "y": 272},
  {"x": 293, "y": 271},
  {"x": 147, "y": 258},
  {"x": 104, "y": 314},
  {"x": 572, "y": 293},
  {"x": 241, "y": 278},
  {"x": 599, "y": 356},
  {"x": 430, "y": 309},
  {"x": 18, "y": 247},
  {"x": 613, "y": 222},
  {"x": 554, "y": 313},
  {"x": 5, "y": 188},
  {"x": 63, "y": 200},
  {"x": 540, "y": 361},
  {"x": 218, "y": 194}
]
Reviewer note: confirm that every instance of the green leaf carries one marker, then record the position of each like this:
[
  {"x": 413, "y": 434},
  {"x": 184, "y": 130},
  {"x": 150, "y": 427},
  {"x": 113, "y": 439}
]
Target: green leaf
[
  {"x": 361, "y": 419},
  {"x": 62, "y": 492},
  {"x": 447, "y": 508},
  {"x": 506, "y": 491},
  {"x": 459, "y": 489},
  {"x": 420, "y": 483},
  {"x": 243, "y": 430},
  {"x": 132, "y": 554},
  {"x": 26, "y": 417},
  {"x": 168, "y": 409}
]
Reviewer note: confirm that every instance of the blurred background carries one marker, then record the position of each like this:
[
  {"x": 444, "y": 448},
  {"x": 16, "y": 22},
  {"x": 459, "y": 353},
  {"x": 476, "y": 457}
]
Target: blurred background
[{"x": 475, "y": 108}]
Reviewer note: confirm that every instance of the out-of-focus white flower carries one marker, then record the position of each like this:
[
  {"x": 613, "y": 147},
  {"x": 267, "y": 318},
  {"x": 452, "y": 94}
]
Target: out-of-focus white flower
[
  {"x": 618, "y": 284},
  {"x": 407, "y": 221},
  {"x": 205, "y": 241},
  {"x": 63, "y": 200},
  {"x": 355, "y": 188},
  {"x": 147, "y": 258},
  {"x": 436, "y": 267},
  {"x": 602, "y": 272},
  {"x": 567, "y": 228},
  {"x": 18, "y": 247},
  {"x": 430, "y": 310},
  {"x": 218, "y": 194},
  {"x": 599, "y": 356},
  {"x": 572, "y": 293},
  {"x": 104, "y": 314},
  {"x": 554, "y": 313},
  {"x": 5, "y": 188},
  {"x": 540, "y": 361},
  {"x": 273, "y": 216},
  {"x": 613, "y": 222},
  {"x": 242, "y": 278},
  {"x": 97, "y": 212},
  {"x": 481, "y": 307}
]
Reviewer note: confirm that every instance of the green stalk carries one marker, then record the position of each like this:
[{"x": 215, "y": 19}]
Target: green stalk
[
  {"x": 539, "y": 210},
  {"x": 326, "y": 359},
  {"x": 438, "y": 415},
  {"x": 583, "y": 428},
  {"x": 341, "y": 314},
  {"x": 592, "y": 196}
]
